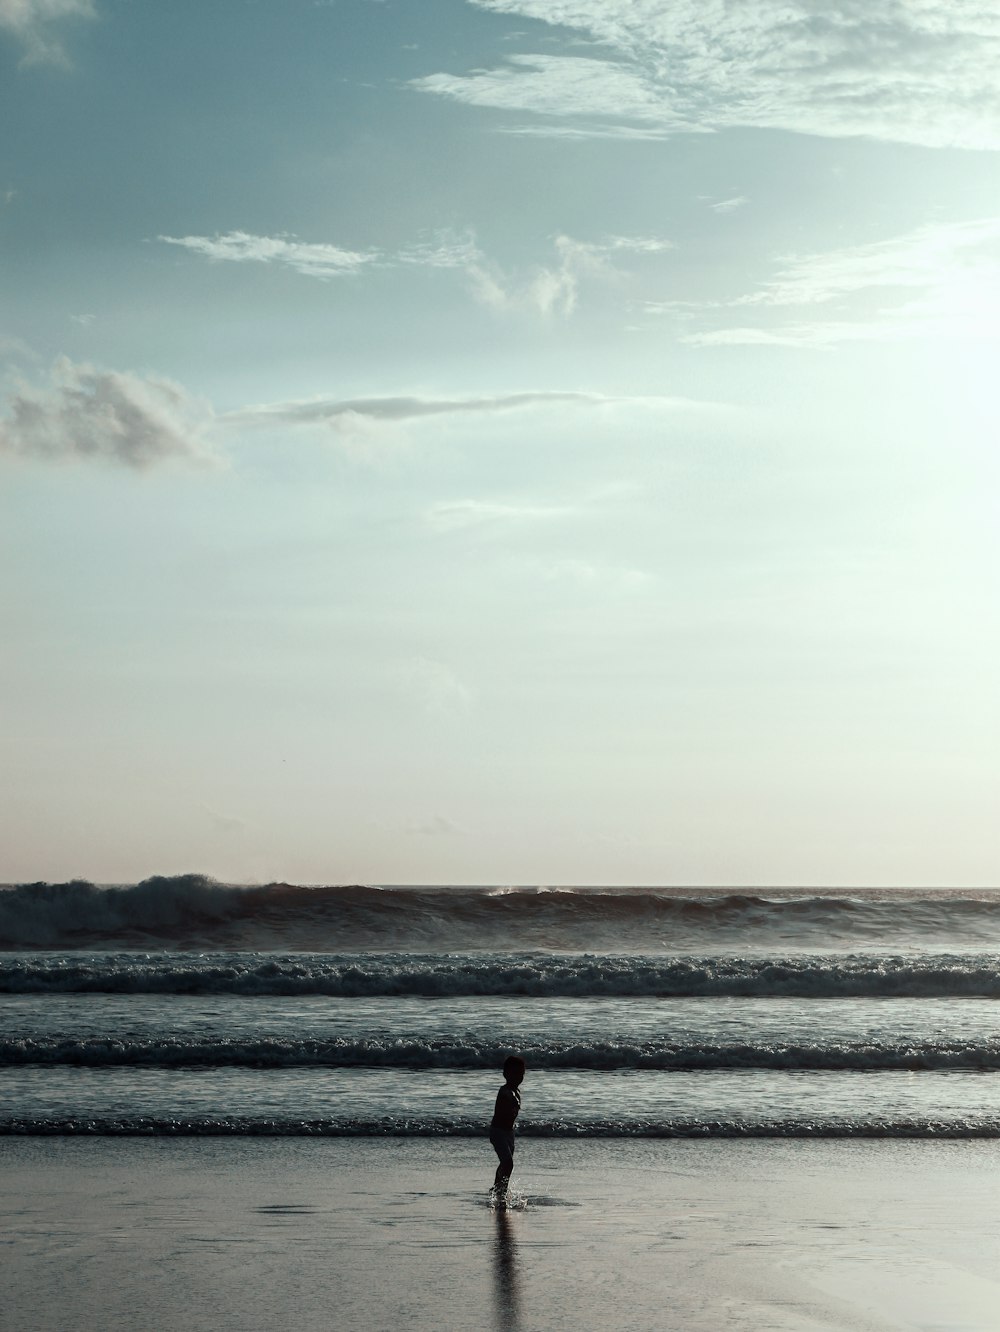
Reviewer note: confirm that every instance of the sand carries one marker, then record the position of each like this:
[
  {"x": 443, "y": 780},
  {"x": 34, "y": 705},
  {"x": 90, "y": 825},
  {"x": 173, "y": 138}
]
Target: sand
[{"x": 178, "y": 1235}]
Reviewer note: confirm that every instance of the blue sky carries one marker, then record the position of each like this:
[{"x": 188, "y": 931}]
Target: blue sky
[{"x": 499, "y": 441}]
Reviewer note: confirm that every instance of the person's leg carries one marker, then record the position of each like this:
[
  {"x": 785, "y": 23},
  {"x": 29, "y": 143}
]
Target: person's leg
[
  {"x": 503, "y": 1145},
  {"x": 502, "y": 1178}
]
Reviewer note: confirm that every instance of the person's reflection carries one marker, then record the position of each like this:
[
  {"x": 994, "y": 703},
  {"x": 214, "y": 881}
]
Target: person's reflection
[{"x": 508, "y": 1294}]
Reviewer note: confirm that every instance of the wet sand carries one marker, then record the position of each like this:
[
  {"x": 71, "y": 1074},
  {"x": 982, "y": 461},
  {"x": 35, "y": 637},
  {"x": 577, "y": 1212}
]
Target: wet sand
[{"x": 176, "y": 1235}]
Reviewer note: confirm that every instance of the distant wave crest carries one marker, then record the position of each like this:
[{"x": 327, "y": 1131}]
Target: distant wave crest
[{"x": 192, "y": 911}]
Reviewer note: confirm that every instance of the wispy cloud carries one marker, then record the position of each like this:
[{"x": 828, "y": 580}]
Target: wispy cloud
[
  {"x": 331, "y": 411},
  {"x": 84, "y": 413},
  {"x": 314, "y": 260},
  {"x": 554, "y": 288},
  {"x": 545, "y": 289},
  {"x": 939, "y": 280},
  {"x": 928, "y": 257},
  {"x": 556, "y": 85},
  {"x": 445, "y": 249},
  {"x": 34, "y": 23},
  {"x": 729, "y": 205},
  {"x": 910, "y": 71},
  {"x": 635, "y": 244},
  {"x": 454, "y": 515},
  {"x": 554, "y": 130}
]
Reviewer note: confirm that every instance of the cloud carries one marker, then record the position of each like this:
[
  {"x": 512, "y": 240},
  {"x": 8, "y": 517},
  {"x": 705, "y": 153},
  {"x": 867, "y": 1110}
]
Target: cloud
[
  {"x": 345, "y": 411},
  {"x": 30, "y": 22},
  {"x": 924, "y": 258},
  {"x": 546, "y": 289},
  {"x": 314, "y": 260},
  {"x": 591, "y": 131},
  {"x": 84, "y": 413},
  {"x": 554, "y": 289},
  {"x": 636, "y": 244},
  {"x": 793, "y": 335},
  {"x": 729, "y": 205},
  {"x": 455, "y": 515},
  {"x": 549, "y": 85},
  {"x": 910, "y": 71},
  {"x": 445, "y": 249},
  {"x": 941, "y": 280}
]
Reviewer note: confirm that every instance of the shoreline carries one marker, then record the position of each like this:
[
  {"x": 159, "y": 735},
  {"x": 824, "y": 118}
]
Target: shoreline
[{"x": 169, "y": 1234}]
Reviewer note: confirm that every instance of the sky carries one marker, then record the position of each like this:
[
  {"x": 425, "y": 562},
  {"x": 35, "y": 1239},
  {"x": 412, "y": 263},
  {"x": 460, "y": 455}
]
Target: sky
[{"x": 500, "y": 441}]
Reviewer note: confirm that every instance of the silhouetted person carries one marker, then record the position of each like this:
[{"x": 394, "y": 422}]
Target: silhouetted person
[{"x": 502, "y": 1128}]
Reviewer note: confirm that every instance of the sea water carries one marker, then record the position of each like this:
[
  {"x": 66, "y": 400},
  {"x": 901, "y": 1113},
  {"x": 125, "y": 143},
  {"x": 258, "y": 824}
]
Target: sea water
[{"x": 185, "y": 1006}]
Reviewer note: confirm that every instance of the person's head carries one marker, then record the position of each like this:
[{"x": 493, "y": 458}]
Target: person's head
[{"x": 513, "y": 1069}]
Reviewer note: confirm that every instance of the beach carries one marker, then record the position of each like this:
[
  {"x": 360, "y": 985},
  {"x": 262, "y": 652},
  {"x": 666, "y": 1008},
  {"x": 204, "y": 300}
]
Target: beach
[
  {"x": 241, "y": 1109},
  {"x": 175, "y": 1234}
]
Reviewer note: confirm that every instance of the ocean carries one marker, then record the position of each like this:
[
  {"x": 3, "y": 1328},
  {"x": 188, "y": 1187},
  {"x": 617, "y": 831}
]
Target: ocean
[{"x": 182, "y": 1006}]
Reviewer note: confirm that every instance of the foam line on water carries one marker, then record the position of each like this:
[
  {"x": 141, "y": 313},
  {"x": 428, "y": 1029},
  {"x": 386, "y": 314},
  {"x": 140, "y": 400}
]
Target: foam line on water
[
  {"x": 749, "y": 1127},
  {"x": 475, "y": 1053},
  {"x": 581, "y": 975}
]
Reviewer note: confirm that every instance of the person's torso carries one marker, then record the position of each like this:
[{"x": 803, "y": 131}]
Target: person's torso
[{"x": 508, "y": 1107}]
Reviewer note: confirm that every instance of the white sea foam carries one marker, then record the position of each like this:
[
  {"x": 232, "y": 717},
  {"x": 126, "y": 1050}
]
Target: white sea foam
[
  {"x": 404, "y": 1052},
  {"x": 874, "y": 1126},
  {"x": 588, "y": 975}
]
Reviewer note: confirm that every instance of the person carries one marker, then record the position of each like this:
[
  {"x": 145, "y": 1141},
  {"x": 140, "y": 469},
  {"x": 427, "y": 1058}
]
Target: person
[{"x": 508, "y": 1105}]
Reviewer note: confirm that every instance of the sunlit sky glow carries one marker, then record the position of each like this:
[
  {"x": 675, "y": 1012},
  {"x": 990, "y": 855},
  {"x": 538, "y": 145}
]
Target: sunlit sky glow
[{"x": 542, "y": 441}]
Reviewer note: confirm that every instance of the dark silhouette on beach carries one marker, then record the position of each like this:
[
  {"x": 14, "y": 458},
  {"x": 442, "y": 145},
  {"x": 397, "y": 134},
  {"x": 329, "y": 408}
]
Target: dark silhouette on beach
[{"x": 505, "y": 1112}]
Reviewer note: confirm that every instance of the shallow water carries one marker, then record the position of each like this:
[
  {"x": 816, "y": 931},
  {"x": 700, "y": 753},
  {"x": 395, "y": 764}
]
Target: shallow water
[{"x": 247, "y": 1235}]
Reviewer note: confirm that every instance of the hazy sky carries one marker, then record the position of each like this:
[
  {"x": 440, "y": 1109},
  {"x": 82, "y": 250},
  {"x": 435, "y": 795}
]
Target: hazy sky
[{"x": 500, "y": 440}]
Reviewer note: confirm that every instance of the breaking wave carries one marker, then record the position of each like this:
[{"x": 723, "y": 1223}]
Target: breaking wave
[
  {"x": 191, "y": 911},
  {"x": 469, "y": 1053},
  {"x": 387, "y": 1126},
  {"x": 806, "y": 976}
]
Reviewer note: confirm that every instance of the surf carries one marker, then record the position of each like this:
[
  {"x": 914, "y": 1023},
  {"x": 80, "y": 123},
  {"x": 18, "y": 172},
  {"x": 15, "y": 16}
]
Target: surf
[
  {"x": 867, "y": 975},
  {"x": 194, "y": 911}
]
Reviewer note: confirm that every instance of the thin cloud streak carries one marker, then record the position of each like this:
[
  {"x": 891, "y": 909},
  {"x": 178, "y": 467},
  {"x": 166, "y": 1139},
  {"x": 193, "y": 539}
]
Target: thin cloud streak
[
  {"x": 923, "y": 258},
  {"x": 308, "y": 258},
  {"x": 328, "y": 411},
  {"x": 941, "y": 280},
  {"x": 557, "y": 131},
  {"x": 457, "y": 515},
  {"x": 729, "y": 205}
]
